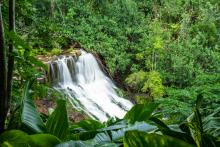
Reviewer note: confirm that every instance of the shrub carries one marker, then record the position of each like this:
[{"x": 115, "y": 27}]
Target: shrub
[
  {"x": 56, "y": 51},
  {"x": 153, "y": 85},
  {"x": 146, "y": 82}
]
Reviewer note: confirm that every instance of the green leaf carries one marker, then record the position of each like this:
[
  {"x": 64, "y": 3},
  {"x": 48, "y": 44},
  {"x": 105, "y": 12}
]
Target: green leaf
[
  {"x": 44, "y": 140},
  {"x": 6, "y": 144},
  {"x": 37, "y": 63},
  {"x": 18, "y": 41},
  {"x": 102, "y": 138},
  {"x": 113, "y": 127},
  {"x": 170, "y": 132},
  {"x": 57, "y": 123},
  {"x": 141, "y": 139},
  {"x": 195, "y": 126},
  {"x": 15, "y": 138},
  {"x": 73, "y": 144},
  {"x": 140, "y": 112},
  {"x": 83, "y": 135},
  {"x": 108, "y": 145},
  {"x": 140, "y": 126},
  {"x": 211, "y": 123},
  {"x": 86, "y": 144},
  {"x": 90, "y": 125},
  {"x": 30, "y": 117}
]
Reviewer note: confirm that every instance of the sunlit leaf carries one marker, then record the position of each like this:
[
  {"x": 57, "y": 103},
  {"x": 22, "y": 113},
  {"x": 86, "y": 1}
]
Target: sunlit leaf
[
  {"x": 44, "y": 140},
  {"x": 141, "y": 139},
  {"x": 15, "y": 138},
  {"x": 90, "y": 125},
  {"x": 140, "y": 112},
  {"x": 57, "y": 123},
  {"x": 30, "y": 117},
  {"x": 195, "y": 125},
  {"x": 83, "y": 135},
  {"x": 166, "y": 130}
]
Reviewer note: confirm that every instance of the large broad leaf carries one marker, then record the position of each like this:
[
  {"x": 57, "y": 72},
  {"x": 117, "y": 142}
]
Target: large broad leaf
[
  {"x": 86, "y": 144},
  {"x": 6, "y": 144},
  {"x": 141, "y": 139},
  {"x": 211, "y": 123},
  {"x": 83, "y": 135},
  {"x": 73, "y": 144},
  {"x": 140, "y": 126},
  {"x": 140, "y": 112},
  {"x": 195, "y": 126},
  {"x": 98, "y": 137},
  {"x": 90, "y": 125},
  {"x": 102, "y": 138},
  {"x": 115, "y": 126},
  {"x": 166, "y": 130},
  {"x": 30, "y": 117},
  {"x": 44, "y": 140},
  {"x": 86, "y": 132},
  {"x": 108, "y": 145},
  {"x": 57, "y": 123},
  {"x": 15, "y": 138}
]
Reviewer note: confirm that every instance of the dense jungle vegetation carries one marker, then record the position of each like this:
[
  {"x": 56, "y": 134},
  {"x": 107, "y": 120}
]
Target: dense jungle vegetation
[{"x": 164, "y": 55}]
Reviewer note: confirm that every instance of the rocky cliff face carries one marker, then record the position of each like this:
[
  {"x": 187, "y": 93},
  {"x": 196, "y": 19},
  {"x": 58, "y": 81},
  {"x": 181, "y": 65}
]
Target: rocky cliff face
[
  {"x": 50, "y": 61},
  {"x": 50, "y": 58}
]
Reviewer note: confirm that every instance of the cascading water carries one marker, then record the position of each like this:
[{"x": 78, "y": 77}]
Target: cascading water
[{"x": 87, "y": 87}]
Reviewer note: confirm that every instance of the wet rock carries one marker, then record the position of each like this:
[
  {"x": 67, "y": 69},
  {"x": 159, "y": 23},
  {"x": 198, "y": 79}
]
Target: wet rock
[
  {"x": 44, "y": 105},
  {"x": 51, "y": 58},
  {"x": 72, "y": 52}
]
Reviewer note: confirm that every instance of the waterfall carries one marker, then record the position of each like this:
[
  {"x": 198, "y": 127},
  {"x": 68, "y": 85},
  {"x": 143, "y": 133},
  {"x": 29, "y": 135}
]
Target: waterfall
[{"x": 87, "y": 87}]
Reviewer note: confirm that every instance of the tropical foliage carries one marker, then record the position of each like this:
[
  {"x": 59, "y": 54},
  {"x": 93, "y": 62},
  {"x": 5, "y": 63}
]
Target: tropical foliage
[
  {"x": 139, "y": 127},
  {"x": 163, "y": 54}
]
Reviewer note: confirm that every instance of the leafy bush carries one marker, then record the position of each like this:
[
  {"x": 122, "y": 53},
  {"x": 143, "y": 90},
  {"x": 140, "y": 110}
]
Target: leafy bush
[
  {"x": 147, "y": 82},
  {"x": 40, "y": 51},
  {"x": 136, "y": 80},
  {"x": 153, "y": 85},
  {"x": 56, "y": 51}
]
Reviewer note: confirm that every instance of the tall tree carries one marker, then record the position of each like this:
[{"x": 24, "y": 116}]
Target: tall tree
[
  {"x": 3, "y": 76},
  {"x": 52, "y": 8},
  {"x": 6, "y": 66},
  {"x": 11, "y": 47}
]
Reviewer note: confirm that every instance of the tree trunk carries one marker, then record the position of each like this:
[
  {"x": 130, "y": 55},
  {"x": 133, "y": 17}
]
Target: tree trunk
[
  {"x": 11, "y": 48},
  {"x": 3, "y": 76},
  {"x": 52, "y": 8}
]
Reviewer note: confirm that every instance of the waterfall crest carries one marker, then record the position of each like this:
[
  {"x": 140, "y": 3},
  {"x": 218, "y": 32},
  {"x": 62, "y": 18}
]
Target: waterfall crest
[{"x": 87, "y": 87}]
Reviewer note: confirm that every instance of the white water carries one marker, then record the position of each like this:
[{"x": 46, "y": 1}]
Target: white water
[{"x": 88, "y": 88}]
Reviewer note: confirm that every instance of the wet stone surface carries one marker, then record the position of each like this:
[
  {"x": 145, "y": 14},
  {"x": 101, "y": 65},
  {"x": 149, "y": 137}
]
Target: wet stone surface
[{"x": 43, "y": 105}]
